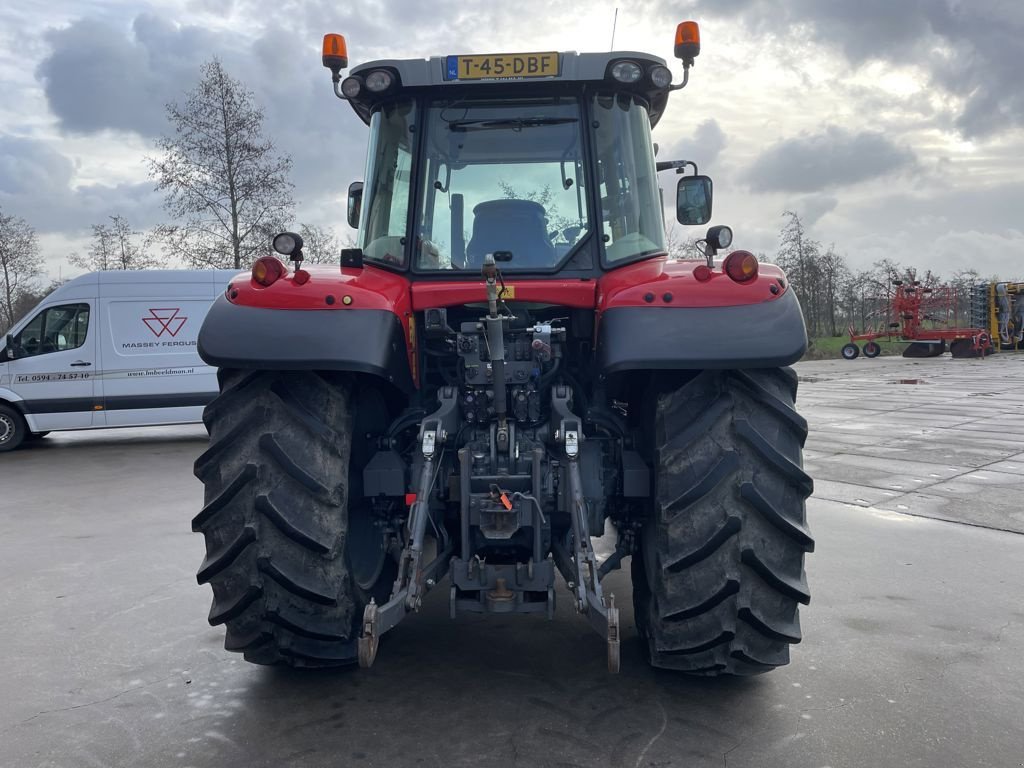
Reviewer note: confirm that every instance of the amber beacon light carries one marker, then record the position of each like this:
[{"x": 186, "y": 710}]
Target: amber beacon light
[
  {"x": 687, "y": 42},
  {"x": 335, "y": 54}
]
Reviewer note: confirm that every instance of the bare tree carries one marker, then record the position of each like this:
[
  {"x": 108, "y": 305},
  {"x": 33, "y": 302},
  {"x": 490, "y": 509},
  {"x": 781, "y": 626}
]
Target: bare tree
[
  {"x": 222, "y": 178},
  {"x": 834, "y": 275},
  {"x": 319, "y": 245},
  {"x": 799, "y": 255},
  {"x": 679, "y": 246},
  {"x": 29, "y": 299},
  {"x": 20, "y": 265},
  {"x": 117, "y": 246}
]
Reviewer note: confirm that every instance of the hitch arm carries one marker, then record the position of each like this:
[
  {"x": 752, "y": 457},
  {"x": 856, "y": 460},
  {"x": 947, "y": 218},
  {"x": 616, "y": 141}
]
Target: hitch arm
[
  {"x": 579, "y": 567},
  {"x": 414, "y": 579}
]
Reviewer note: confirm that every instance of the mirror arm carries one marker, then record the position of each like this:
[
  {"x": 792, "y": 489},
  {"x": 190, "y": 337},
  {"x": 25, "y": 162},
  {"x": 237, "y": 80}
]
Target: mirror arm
[{"x": 679, "y": 165}]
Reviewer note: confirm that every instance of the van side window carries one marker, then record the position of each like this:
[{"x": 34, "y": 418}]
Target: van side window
[{"x": 55, "y": 329}]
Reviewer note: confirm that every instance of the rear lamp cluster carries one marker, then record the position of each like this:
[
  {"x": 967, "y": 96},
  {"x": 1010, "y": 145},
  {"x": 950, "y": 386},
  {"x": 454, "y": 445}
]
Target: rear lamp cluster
[
  {"x": 630, "y": 72},
  {"x": 741, "y": 266},
  {"x": 268, "y": 270},
  {"x": 375, "y": 82}
]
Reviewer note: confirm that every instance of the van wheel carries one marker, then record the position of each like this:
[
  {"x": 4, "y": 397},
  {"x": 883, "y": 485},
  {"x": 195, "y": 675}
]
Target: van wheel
[{"x": 12, "y": 428}]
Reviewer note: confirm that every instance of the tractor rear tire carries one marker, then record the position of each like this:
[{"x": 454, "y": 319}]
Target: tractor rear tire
[
  {"x": 276, "y": 517},
  {"x": 719, "y": 574}
]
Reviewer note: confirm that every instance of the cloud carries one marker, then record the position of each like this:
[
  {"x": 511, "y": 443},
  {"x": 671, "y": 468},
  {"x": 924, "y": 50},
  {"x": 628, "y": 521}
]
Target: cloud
[
  {"x": 29, "y": 167},
  {"x": 971, "y": 50},
  {"x": 98, "y": 76},
  {"x": 811, "y": 209},
  {"x": 36, "y": 184},
  {"x": 833, "y": 158},
  {"x": 705, "y": 146}
]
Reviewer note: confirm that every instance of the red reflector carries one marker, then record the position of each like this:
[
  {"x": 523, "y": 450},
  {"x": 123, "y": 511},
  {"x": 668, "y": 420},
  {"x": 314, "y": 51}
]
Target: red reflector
[
  {"x": 702, "y": 273},
  {"x": 301, "y": 277},
  {"x": 410, "y": 499},
  {"x": 741, "y": 266},
  {"x": 268, "y": 270}
]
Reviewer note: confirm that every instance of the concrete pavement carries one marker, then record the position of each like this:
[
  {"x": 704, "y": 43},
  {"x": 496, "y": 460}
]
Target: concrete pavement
[{"x": 912, "y": 650}]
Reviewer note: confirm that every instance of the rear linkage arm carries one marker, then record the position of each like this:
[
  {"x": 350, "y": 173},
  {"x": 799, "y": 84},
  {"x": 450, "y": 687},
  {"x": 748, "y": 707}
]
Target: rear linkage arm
[
  {"x": 579, "y": 567},
  {"x": 414, "y": 579}
]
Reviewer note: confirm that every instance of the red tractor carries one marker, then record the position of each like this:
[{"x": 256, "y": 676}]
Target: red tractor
[{"x": 506, "y": 363}]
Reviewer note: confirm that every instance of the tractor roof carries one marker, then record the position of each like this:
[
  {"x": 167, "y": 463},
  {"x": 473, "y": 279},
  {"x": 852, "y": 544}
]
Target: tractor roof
[{"x": 469, "y": 76}]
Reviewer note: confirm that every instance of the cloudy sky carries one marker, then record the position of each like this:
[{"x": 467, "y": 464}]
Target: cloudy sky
[{"x": 893, "y": 127}]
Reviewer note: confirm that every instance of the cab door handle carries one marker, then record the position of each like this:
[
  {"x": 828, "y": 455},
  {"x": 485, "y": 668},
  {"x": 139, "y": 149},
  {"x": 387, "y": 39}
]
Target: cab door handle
[{"x": 79, "y": 363}]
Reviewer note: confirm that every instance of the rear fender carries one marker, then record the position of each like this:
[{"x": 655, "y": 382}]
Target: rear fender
[
  {"x": 657, "y": 315},
  {"x": 357, "y": 320}
]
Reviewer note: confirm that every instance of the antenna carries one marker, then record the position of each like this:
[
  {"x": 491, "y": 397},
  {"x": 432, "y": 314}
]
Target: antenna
[{"x": 615, "y": 23}]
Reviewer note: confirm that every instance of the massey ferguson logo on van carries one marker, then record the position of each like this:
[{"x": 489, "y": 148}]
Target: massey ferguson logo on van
[{"x": 164, "y": 321}]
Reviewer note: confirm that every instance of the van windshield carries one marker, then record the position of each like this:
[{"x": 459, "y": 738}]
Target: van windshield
[{"x": 502, "y": 176}]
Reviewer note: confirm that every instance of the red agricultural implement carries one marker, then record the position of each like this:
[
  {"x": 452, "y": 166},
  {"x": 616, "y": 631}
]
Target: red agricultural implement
[{"x": 924, "y": 317}]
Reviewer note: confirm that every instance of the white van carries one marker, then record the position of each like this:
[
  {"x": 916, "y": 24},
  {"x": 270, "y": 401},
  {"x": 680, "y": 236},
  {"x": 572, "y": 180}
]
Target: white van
[{"x": 109, "y": 349}]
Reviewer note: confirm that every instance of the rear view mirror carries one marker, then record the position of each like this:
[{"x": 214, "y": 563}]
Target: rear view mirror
[
  {"x": 8, "y": 353},
  {"x": 355, "y": 203},
  {"x": 693, "y": 200}
]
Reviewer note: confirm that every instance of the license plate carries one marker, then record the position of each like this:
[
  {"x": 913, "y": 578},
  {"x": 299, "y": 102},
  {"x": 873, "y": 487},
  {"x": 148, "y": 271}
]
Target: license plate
[{"x": 502, "y": 66}]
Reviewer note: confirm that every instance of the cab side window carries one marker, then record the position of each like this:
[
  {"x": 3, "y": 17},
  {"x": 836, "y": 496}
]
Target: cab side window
[{"x": 55, "y": 329}]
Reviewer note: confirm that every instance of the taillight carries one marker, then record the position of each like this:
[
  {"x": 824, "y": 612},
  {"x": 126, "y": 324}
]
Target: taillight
[
  {"x": 741, "y": 266},
  {"x": 268, "y": 270}
]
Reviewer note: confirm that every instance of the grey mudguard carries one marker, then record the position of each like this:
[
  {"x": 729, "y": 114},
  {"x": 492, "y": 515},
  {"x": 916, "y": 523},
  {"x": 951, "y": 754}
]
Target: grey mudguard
[
  {"x": 765, "y": 335},
  {"x": 361, "y": 340}
]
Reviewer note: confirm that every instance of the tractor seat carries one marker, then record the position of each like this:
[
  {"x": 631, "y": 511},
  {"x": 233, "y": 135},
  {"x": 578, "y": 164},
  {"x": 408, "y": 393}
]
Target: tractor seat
[{"x": 519, "y": 226}]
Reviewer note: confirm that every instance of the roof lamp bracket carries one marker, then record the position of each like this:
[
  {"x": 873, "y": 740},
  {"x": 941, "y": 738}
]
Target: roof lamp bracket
[{"x": 686, "y": 79}]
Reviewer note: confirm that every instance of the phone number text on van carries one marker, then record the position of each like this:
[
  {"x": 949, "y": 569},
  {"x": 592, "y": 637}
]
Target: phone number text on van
[{"x": 32, "y": 378}]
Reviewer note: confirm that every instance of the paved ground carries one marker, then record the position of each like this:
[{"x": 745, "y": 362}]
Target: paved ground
[{"x": 912, "y": 656}]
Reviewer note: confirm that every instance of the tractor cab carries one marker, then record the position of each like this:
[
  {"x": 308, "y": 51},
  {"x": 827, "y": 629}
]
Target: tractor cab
[{"x": 544, "y": 159}]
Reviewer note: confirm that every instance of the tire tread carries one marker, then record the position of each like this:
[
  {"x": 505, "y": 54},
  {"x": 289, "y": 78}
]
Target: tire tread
[
  {"x": 274, "y": 517},
  {"x": 719, "y": 576}
]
